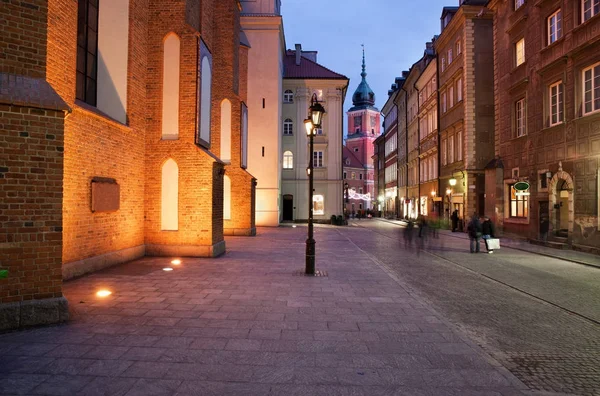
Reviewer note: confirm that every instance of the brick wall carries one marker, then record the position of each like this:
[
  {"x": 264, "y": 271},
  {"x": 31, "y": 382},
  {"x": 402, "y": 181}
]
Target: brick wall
[{"x": 31, "y": 166}]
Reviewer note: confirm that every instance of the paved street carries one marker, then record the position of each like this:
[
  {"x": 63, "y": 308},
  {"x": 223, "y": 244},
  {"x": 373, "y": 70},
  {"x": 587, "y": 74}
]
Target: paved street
[
  {"x": 247, "y": 324},
  {"x": 537, "y": 315}
]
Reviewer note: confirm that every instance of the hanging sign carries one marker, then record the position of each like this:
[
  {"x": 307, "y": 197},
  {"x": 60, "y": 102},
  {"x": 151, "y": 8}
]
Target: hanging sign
[{"x": 521, "y": 186}]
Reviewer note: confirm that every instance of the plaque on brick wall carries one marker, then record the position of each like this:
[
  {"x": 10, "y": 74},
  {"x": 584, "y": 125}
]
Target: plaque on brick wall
[{"x": 106, "y": 195}]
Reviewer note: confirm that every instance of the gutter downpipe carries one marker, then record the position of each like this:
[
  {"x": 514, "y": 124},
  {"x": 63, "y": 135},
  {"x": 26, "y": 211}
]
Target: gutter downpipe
[
  {"x": 405, "y": 146},
  {"x": 418, "y": 149}
]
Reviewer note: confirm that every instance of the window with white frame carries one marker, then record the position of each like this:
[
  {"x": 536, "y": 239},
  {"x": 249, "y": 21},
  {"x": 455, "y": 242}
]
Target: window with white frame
[
  {"x": 449, "y": 55},
  {"x": 451, "y": 149},
  {"x": 318, "y": 159},
  {"x": 458, "y": 48},
  {"x": 555, "y": 95},
  {"x": 459, "y": 90},
  {"x": 444, "y": 152},
  {"x": 443, "y": 64},
  {"x": 520, "y": 52},
  {"x": 288, "y": 127},
  {"x": 589, "y": 8},
  {"x": 288, "y": 96},
  {"x": 444, "y": 102},
  {"x": 591, "y": 89},
  {"x": 459, "y": 146},
  {"x": 519, "y": 3},
  {"x": 519, "y": 203},
  {"x": 520, "y": 117},
  {"x": 450, "y": 96},
  {"x": 288, "y": 160},
  {"x": 555, "y": 26}
]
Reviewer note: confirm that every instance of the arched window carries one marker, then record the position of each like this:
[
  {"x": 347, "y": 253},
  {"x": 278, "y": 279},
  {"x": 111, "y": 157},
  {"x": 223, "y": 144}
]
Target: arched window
[
  {"x": 288, "y": 160},
  {"x": 226, "y": 130},
  {"x": 226, "y": 198},
  {"x": 170, "y": 89},
  {"x": 205, "y": 100},
  {"x": 288, "y": 127},
  {"x": 170, "y": 196},
  {"x": 288, "y": 96}
]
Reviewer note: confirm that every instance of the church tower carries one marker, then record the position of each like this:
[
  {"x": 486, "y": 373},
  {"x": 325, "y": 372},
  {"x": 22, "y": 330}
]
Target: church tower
[{"x": 364, "y": 126}]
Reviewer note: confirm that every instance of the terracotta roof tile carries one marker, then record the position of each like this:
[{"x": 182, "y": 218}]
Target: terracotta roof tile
[{"x": 307, "y": 69}]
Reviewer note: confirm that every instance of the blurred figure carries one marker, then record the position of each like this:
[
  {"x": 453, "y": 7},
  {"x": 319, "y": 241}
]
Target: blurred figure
[
  {"x": 454, "y": 218},
  {"x": 423, "y": 231},
  {"x": 544, "y": 227},
  {"x": 487, "y": 229},
  {"x": 474, "y": 231},
  {"x": 408, "y": 234}
]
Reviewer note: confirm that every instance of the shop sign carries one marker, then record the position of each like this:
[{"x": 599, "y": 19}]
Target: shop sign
[{"x": 521, "y": 186}]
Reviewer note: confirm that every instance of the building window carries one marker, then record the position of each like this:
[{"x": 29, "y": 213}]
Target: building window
[
  {"x": 458, "y": 48},
  {"x": 318, "y": 159},
  {"x": 519, "y": 3},
  {"x": 205, "y": 98},
  {"x": 360, "y": 176},
  {"x": 360, "y": 190},
  {"x": 449, "y": 55},
  {"x": 459, "y": 90},
  {"x": 226, "y": 130},
  {"x": 543, "y": 181},
  {"x": 589, "y": 8},
  {"x": 169, "y": 218},
  {"x": 444, "y": 102},
  {"x": 451, "y": 149},
  {"x": 244, "y": 133},
  {"x": 443, "y": 64},
  {"x": 344, "y": 175},
  {"x": 444, "y": 152},
  {"x": 556, "y": 103},
  {"x": 357, "y": 121},
  {"x": 170, "y": 89},
  {"x": 519, "y": 203},
  {"x": 373, "y": 120},
  {"x": 319, "y": 131},
  {"x": 591, "y": 89},
  {"x": 226, "y": 198},
  {"x": 87, "y": 51},
  {"x": 288, "y": 96},
  {"x": 318, "y": 205},
  {"x": 459, "y": 146},
  {"x": 288, "y": 160},
  {"x": 288, "y": 127},
  {"x": 520, "y": 117},
  {"x": 450, "y": 96},
  {"x": 520, "y": 52},
  {"x": 353, "y": 175},
  {"x": 356, "y": 149},
  {"x": 554, "y": 27}
]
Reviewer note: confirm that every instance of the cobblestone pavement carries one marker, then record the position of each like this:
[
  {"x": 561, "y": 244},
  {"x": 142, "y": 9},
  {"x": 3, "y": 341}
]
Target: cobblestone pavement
[
  {"x": 246, "y": 324},
  {"x": 538, "y": 316}
]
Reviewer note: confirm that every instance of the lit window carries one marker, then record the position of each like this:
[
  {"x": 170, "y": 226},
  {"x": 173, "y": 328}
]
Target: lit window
[
  {"x": 353, "y": 175},
  {"x": 288, "y": 127},
  {"x": 288, "y": 96},
  {"x": 450, "y": 97},
  {"x": 554, "y": 27},
  {"x": 589, "y": 8},
  {"x": 591, "y": 89},
  {"x": 519, "y": 3},
  {"x": 459, "y": 89},
  {"x": 555, "y": 95},
  {"x": 318, "y": 205},
  {"x": 519, "y": 203},
  {"x": 288, "y": 160},
  {"x": 318, "y": 159},
  {"x": 520, "y": 52},
  {"x": 520, "y": 117}
]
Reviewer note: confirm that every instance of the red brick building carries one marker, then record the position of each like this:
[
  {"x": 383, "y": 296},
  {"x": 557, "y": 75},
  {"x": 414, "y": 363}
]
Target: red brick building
[
  {"x": 124, "y": 133},
  {"x": 547, "y": 124}
]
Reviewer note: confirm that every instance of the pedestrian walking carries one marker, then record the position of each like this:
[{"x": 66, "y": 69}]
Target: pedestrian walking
[
  {"x": 423, "y": 231},
  {"x": 408, "y": 234},
  {"x": 474, "y": 230},
  {"x": 454, "y": 218},
  {"x": 487, "y": 230}
]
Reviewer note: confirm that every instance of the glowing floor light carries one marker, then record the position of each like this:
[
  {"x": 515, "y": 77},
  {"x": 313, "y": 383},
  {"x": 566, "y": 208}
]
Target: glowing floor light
[
  {"x": 176, "y": 262},
  {"x": 167, "y": 269},
  {"x": 103, "y": 293}
]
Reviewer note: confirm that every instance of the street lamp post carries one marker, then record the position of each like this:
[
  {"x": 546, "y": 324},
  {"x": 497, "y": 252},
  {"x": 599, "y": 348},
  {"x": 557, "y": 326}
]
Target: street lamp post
[{"x": 312, "y": 123}]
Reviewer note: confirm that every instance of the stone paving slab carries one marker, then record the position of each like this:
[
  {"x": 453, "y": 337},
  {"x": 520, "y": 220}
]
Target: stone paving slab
[{"x": 245, "y": 324}]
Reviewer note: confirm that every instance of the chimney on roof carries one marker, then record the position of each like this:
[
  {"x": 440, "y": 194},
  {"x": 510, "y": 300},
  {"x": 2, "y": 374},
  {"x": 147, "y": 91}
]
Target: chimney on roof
[{"x": 298, "y": 54}]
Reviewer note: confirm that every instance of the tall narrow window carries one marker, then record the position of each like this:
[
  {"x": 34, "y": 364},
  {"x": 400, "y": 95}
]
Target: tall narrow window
[
  {"x": 520, "y": 52},
  {"x": 318, "y": 159},
  {"x": 519, "y": 3},
  {"x": 170, "y": 88},
  {"x": 459, "y": 146},
  {"x": 444, "y": 102},
  {"x": 554, "y": 27},
  {"x": 519, "y": 203},
  {"x": 449, "y": 55},
  {"x": 591, "y": 89},
  {"x": 450, "y": 96},
  {"x": 170, "y": 196},
  {"x": 589, "y": 8},
  {"x": 520, "y": 117},
  {"x": 443, "y": 64},
  {"x": 288, "y": 96},
  {"x": 288, "y": 160},
  {"x": 226, "y": 130},
  {"x": 226, "y": 198},
  {"x": 444, "y": 152},
  {"x": 87, "y": 51},
  {"x": 458, "y": 49},
  {"x": 451, "y": 149},
  {"x": 555, "y": 95},
  {"x": 205, "y": 100},
  {"x": 459, "y": 90},
  {"x": 318, "y": 205},
  {"x": 288, "y": 127}
]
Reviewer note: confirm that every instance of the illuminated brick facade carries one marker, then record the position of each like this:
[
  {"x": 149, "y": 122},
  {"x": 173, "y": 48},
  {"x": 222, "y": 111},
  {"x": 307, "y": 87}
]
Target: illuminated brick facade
[{"x": 104, "y": 203}]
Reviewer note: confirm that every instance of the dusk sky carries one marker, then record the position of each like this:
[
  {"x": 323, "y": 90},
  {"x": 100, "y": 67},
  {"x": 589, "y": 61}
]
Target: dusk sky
[{"x": 394, "y": 33}]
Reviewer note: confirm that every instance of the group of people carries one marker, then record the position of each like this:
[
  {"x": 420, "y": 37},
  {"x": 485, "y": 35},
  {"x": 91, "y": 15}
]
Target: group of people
[{"x": 478, "y": 230}]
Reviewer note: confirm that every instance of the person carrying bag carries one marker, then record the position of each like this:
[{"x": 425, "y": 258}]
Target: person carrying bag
[{"x": 488, "y": 231}]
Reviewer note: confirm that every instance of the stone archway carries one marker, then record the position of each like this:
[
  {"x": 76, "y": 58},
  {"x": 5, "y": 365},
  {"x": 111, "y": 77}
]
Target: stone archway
[{"x": 561, "y": 182}]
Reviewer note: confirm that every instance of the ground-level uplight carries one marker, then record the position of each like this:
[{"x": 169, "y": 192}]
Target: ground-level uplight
[
  {"x": 168, "y": 269},
  {"x": 103, "y": 293},
  {"x": 176, "y": 262}
]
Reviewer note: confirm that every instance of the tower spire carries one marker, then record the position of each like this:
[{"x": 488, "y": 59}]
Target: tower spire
[{"x": 364, "y": 66}]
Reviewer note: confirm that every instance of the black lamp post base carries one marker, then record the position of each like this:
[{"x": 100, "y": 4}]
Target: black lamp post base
[{"x": 310, "y": 256}]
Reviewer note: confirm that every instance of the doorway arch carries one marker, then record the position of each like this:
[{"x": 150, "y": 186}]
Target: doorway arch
[
  {"x": 562, "y": 208},
  {"x": 288, "y": 207}
]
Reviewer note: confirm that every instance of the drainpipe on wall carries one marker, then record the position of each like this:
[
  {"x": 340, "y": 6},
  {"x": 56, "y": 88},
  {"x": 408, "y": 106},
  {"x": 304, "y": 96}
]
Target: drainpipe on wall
[
  {"x": 405, "y": 145},
  {"x": 439, "y": 142},
  {"x": 418, "y": 152}
]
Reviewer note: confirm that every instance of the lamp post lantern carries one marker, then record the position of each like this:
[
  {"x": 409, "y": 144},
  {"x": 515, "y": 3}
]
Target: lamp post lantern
[{"x": 312, "y": 123}]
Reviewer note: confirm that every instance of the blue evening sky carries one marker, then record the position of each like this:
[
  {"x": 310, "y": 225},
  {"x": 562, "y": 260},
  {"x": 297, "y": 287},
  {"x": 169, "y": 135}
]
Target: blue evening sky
[{"x": 394, "y": 33}]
